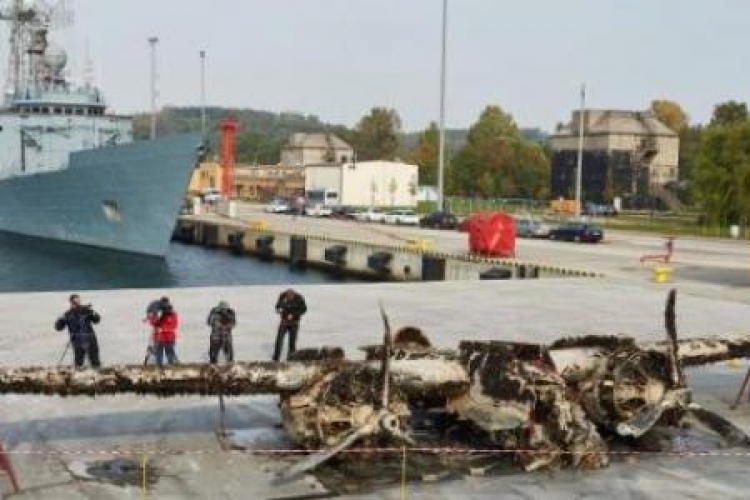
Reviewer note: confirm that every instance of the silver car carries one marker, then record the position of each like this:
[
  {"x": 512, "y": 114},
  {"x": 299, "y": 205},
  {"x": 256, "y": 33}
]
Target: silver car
[{"x": 531, "y": 227}]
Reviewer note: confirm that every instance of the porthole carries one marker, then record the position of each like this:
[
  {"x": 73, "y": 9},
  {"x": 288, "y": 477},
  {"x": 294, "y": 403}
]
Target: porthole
[{"x": 112, "y": 211}]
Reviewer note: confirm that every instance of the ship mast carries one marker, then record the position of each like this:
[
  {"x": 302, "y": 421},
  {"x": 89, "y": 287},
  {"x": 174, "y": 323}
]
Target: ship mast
[
  {"x": 30, "y": 22},
  {"x": 13, "y": 15}
]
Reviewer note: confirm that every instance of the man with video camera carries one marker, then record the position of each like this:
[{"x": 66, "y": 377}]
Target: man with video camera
[
  {"x": 222, "y": 320},
  {"x": 290, "y": 307},
  {"x": 80, "y": 321}
]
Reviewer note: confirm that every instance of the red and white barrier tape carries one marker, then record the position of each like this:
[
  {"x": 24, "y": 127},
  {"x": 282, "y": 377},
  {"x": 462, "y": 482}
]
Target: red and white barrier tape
[{"x": 379, "y": 451}]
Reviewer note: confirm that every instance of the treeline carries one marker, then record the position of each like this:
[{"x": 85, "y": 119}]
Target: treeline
[
  {"x": 493, "y": 157},
  {"x": 714, "y": 160}
]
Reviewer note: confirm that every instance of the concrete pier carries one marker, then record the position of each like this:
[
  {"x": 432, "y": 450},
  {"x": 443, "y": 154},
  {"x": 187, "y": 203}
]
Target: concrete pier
[{"x": 411, "y": 260}]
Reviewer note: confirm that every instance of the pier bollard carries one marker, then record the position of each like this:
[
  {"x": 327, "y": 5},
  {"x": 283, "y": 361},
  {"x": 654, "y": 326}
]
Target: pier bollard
[
  {"x": 236, "y": 243},
  {"x": 433, "y": 268},
  {"x": 496, "y": 273},
  {"x": 264, "y": 246},
  {"x": 336, "y": 254},
  {"x": 297, "y": 252},
  {"x": 380, "y": 262}
]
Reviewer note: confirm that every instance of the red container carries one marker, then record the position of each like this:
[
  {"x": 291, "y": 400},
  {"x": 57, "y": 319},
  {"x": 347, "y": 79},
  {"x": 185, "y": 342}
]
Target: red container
[{"x": 492, "y": 234}]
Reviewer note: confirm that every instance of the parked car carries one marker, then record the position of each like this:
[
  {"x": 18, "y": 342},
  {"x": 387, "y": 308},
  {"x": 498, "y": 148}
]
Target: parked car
[
  {"x": 344, "y": 213},
  {"x": 440, "y": 220},
  {"x": 599, "y": 210},
  {"x": 578, "y": 232},
  {"x": 210, "y": 196},
  {"x": 318, "y": 210},
  {"x": 278, "y": 206},
  {"x": 531, "y": 227},
  {"x": 402, "y": 218},
  {"x": 370, "y": 215}
]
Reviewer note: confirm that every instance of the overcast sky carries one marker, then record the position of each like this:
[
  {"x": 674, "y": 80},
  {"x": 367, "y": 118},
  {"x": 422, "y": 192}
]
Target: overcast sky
[{"x": 338, "y": 58}]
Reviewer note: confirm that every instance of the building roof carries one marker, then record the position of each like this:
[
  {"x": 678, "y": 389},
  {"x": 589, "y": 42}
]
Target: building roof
[
  {"x": 621, "y": 122},
  {"x": 316, "y": 141}
]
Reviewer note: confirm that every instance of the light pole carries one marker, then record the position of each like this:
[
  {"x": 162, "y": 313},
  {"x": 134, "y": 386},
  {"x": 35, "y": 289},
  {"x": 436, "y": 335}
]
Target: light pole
[
  {"x": 203, "y": 92},
  {"x": 579, "y": 169},
  {"x": 441, "y": 151},
  {"x": 153, "y": 41}
]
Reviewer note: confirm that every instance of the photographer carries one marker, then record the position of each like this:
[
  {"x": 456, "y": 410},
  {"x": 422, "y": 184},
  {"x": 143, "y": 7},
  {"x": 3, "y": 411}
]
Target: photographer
[
  {"x": 222, "y": 321},
  {"x": 80, "y": 321},
  {"x": 164, "y": 320},
  {"x": 290, "y": 307}
]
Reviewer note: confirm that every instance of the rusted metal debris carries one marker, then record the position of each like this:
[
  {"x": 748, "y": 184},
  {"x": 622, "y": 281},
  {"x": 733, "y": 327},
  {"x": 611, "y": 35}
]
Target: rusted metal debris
[{"x": 553, "y": 404}]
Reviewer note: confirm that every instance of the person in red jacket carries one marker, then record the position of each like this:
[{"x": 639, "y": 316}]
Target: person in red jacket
[{"x": 165, "y": 332}]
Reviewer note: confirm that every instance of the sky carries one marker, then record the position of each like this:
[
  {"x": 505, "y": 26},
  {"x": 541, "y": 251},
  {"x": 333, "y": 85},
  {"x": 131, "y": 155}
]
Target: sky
[{"x": 338, "y": 58}]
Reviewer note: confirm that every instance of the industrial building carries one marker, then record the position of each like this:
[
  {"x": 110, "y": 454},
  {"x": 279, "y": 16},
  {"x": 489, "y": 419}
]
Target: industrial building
[
  {"x": 363, "y": 184},
  {"x": 313, "y": 149},
  {"x": 266, "y": 182},
  {"x": 628, "y": 155}
]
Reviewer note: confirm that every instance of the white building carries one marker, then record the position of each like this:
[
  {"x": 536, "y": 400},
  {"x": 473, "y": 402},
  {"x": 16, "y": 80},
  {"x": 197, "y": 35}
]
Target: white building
[{"x": 363, "y": 184}]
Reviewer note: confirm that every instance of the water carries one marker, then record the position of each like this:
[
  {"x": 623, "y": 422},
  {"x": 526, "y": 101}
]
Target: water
[{"x": 32, "y": 265}]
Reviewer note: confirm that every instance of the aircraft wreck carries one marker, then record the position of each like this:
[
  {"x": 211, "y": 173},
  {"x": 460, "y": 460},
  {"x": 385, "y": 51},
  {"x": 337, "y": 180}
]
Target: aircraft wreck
[{"x": 550, "y": 406}]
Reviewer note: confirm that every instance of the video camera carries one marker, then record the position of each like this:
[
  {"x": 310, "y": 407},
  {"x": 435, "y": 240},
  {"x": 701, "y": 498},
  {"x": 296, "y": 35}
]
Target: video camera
[{"x": 226, "y": 315}]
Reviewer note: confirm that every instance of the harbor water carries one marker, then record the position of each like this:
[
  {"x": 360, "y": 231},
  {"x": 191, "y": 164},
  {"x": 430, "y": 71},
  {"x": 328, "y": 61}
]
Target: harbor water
[{"x": 33, "y": 265}]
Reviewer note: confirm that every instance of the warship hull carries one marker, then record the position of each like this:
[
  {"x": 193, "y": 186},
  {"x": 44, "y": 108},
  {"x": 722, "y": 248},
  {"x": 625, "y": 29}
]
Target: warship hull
[{"x": 125, "y": 198}]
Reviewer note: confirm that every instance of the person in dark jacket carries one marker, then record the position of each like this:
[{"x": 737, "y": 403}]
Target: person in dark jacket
[
  {"x": 222, "y": 320},
  {"x": 165, "y": 332},
  {"x": 290, "y": 307},
  {"x": 80, "y": 321}
]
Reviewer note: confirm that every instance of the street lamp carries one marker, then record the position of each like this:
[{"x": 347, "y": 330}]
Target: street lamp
[
  {"x": 579, "y": 167},
  {"x": 153, "y": 41},
  {"x": 441, "y": 152},
  {"x": 203, "y": 92}
]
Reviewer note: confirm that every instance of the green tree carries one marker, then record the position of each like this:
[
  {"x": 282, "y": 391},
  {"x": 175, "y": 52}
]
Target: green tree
[
  {"x": 690, "y": 142},
  {"x": 729, "y": 113},
  {"x": 670, "y": 114},
  {"x": 377, "y": 135},
  {"x": 498, "y": 161},
  {"x": 721, "y": 174},
  {"x": 425, "y": 154}
]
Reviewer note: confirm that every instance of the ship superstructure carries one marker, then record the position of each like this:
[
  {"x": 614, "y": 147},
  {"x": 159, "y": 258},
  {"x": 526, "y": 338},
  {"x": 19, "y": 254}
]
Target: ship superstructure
[{"x": 45, "y": 116}]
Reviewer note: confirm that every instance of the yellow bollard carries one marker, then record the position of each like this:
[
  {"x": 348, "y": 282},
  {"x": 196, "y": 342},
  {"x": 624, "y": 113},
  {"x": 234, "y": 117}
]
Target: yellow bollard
[{"x": 662, "y": 273}]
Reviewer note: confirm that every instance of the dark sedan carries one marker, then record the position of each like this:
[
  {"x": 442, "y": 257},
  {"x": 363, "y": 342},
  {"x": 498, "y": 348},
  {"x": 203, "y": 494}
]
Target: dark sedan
[
  {"x": 439, "y": 220},
  {"x": 578, "y": 232}
]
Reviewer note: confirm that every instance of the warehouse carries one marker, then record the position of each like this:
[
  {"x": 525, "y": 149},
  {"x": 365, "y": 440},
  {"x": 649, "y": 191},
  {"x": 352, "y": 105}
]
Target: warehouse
[{"x": 362, "y": 184}]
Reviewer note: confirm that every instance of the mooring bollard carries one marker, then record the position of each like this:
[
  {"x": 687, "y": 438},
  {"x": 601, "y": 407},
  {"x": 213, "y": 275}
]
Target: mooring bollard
[{"x": 662, "y": 274}]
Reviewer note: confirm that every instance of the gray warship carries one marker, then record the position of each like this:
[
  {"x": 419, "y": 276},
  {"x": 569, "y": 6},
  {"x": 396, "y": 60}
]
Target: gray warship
[{"x": 69, "y": 170}]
